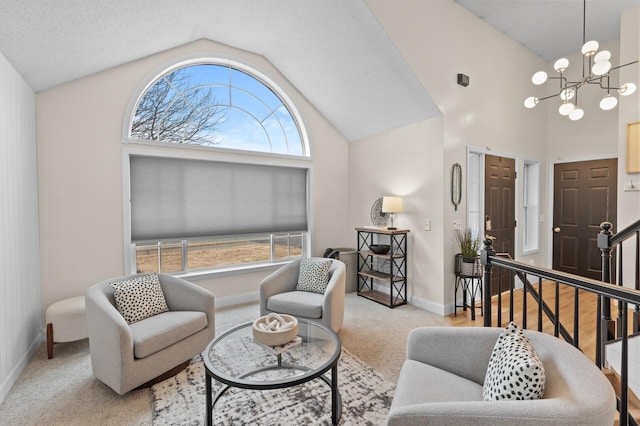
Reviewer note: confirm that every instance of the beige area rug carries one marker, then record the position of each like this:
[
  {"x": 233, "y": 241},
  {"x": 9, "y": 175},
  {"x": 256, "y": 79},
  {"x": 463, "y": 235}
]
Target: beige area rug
[{"x": 366, "y": 398}]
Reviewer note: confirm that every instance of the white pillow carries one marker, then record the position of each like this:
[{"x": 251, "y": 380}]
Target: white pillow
[
  {"x": 139, "y": 298},
  {"x": 314, "y": 274},
  {"x": 515, "y": 371}
]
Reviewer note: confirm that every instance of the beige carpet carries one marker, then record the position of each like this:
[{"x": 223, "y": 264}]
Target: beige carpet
[{"x": 62, "y": 391}]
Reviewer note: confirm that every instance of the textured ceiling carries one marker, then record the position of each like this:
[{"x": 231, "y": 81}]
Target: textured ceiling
[
  {"x": 333, "y": 51},
  {"x": 552, "y": 28}
]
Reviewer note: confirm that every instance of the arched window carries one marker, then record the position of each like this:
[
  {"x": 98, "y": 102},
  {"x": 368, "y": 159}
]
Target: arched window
[
  {"x": 216, "y": 105},
  {"x": 201, "y": 211}
]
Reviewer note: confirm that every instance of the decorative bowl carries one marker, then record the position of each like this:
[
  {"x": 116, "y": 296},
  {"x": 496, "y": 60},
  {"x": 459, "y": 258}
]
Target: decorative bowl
[
  {"x": 275, "y": 329},
  {"x": 379, "y": 248}
]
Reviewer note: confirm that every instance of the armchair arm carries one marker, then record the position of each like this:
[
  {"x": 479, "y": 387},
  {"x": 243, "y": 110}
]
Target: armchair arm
[
  {"x": 464, "y": 351},
  {"x": 182, "y": 295},
  {"x": 280, "y": 281},
  {"x": 333, "y": 303},
  {"x": 109, "y": 337}
]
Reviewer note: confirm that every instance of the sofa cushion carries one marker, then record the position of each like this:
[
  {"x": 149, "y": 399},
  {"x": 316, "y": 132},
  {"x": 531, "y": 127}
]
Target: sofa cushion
[
  {"x": 314, "y": 274},
  {"x": 420, "y": 383},
  {"x": 297, "y": 303},
  {"x": 139, "y": 297},
  {"x": 160, "y": 331},
  {"x": 515, "y": 371}
]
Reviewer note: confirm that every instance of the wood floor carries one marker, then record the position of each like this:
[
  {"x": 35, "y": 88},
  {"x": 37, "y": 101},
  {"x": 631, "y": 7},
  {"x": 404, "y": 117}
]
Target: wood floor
[{"x": 586, "y": 318}]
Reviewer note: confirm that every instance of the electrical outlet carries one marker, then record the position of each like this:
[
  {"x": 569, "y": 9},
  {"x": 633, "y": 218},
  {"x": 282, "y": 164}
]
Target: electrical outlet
[
  {"x": 427, "y": 224},
  {"x": 630, "y": 186},
  {"x": 457, "y": 225}
]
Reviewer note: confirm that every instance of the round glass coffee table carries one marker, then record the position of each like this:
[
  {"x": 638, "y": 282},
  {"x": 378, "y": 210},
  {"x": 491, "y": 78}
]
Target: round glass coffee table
[{"x": 236, "y": 360}]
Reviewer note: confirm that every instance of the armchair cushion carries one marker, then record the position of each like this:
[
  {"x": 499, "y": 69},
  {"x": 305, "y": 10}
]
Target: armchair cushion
[
  {"x": 314, "y": 275},
  {"x": 160, "y": 331},
  {"x": 297, "y": 303},
  {"x": 515, "y": 371},
  {"x": 139, "y": 297}
]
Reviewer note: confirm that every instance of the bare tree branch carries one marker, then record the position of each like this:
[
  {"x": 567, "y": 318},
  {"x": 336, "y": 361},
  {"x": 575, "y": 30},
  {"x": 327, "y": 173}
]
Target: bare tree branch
[{"x": 173, "y": 110}]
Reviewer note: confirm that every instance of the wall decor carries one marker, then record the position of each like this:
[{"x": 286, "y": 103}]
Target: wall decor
[
  {"x": 377, "y": 217},
  {"x": 633, "y": 147},
  {"x": 456, "y": 185}
]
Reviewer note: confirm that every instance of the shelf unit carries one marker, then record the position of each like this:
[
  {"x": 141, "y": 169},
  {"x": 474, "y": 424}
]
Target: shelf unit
[{"x": 383, "y": 271}]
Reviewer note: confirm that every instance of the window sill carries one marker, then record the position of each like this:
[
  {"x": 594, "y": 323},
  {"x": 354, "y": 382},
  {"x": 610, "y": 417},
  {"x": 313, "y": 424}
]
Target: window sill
[{"x": 232, "y": 270}]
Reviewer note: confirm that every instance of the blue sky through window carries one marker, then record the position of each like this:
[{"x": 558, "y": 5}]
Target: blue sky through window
[{"x": 243, "y": 113}]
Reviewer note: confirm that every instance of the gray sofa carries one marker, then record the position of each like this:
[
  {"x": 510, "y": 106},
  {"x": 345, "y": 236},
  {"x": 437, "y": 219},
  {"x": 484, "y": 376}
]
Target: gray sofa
[
  {"x": 441, "y": 382},
  {"x": 125, "y": 356},
  {"x": 278, "y": 294}
]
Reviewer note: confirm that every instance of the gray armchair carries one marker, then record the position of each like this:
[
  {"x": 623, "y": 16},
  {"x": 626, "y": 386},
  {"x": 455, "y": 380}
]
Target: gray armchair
[
  {"x": 278, "y": 294},
  {"x": 441, "y": 383},
  {"x": 125, "y": 356}
]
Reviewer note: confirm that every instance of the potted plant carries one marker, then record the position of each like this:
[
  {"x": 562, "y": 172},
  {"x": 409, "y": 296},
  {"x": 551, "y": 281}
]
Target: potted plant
[{"x": 468, "y": 246}]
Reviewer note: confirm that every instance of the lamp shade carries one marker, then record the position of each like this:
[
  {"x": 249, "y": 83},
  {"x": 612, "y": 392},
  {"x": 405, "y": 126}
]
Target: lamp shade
[
  {"x": 608, "y": 102},
  {"x": 627, "y": 89},
  {"x": 391, "y": 204}
]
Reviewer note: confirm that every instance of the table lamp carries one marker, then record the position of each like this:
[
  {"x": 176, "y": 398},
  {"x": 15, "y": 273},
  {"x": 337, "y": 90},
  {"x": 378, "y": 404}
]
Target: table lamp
[{"x": 391, "y": 205}]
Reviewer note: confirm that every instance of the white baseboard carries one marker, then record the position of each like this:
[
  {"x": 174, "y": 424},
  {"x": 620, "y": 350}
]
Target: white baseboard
[
  {"x": 223, "y": 302},
  {"x": 11, "y": 379},
  {"x": 427, "y": 305}
]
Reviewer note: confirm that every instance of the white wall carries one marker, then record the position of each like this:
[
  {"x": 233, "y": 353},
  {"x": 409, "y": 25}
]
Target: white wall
[
  {"x": 80, "y": 126},
  {"x": 440, "y": 39},
  {"x": 629, "y": 112},
  {"x": 20, "y": 305},
  {"x": 407, "y": 162},
  {"x": 628, "y": 201}
]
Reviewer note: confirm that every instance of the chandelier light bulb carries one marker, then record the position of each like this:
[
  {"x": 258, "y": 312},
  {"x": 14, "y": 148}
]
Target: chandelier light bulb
[
  {"x": 576, "y": 114},
  {"x": 561, "y": 64},
  {"x": 601, "y": 68},
  {"x": 539, "y": 78},
  {"x": 530, "y": 102},
  {"x": 603, "y": 55},
  {"x": 565, "y": 108},
  {"x": 627, "y": 89},
  {"x": 567, "y": 94},
  {"x": 590, "y": 48},
  {"x": 608, "y": 102}
]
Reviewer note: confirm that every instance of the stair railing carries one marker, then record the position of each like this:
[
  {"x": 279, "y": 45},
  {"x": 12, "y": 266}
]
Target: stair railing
[{"x": 604, "y": 290}]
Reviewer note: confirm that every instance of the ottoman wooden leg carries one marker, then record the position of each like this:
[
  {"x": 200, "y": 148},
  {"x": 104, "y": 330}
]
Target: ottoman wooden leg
[{"x": 50, "y": 340}]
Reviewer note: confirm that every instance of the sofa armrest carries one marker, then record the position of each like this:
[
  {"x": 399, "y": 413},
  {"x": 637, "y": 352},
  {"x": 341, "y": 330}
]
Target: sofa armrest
[
  {"x": 280, "y": 281},
  {"x": 333, "y": 303},
  {"x": 464, "y": 351}
]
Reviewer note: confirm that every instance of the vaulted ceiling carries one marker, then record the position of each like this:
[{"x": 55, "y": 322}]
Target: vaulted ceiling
[{"x": 333, "y": 51}]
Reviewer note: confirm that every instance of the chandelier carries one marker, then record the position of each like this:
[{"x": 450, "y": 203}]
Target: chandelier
[{"x": 596, "y": 69}]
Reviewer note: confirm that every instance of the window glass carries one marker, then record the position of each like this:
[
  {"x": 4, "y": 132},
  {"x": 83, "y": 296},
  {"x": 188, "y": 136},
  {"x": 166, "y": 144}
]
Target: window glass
[
  {"x": 220, "y": 106},
  {"x": 216, "y": 106},
  {"x": 530, "y": 205}
]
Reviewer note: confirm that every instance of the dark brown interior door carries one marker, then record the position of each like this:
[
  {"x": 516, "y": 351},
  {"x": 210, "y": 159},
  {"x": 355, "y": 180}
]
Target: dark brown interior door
[
  {"x": 584, "y": 195},
  {"x": 499, "y": 207}
]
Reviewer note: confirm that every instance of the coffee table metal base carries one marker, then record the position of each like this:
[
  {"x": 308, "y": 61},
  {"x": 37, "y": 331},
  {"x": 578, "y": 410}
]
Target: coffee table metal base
[{"x": 336, "y": 400}]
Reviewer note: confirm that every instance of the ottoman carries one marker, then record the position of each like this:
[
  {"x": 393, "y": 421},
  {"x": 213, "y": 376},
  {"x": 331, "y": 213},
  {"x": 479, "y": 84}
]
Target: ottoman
[{"x": 66, "y": 322}]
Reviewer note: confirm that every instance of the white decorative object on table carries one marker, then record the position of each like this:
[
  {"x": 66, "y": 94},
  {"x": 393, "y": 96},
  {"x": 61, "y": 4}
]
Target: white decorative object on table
[{"x": 275, "y": 329}]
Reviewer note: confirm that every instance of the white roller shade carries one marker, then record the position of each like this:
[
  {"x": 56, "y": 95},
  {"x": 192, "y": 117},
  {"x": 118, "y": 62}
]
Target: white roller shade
[{"x": 180, "y": 198}]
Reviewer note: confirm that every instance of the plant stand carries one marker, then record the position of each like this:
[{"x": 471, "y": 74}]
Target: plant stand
[{"x": 469, "y": 281}]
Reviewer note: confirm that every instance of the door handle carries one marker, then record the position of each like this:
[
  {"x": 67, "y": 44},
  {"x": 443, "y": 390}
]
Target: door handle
[{"x": 556, "y": 229}]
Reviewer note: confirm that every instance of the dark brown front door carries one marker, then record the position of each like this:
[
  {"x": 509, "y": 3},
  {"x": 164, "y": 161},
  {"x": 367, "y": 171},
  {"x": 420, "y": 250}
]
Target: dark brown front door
[
  {"x": 584, "y": 195},
  {"x": 499, "y": 207}
]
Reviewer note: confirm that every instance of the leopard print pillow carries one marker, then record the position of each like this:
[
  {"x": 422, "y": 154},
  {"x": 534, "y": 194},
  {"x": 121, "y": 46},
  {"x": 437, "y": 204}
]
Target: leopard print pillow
[
  {"x": 314, "y": 274},
  {"x": 139, "y": 298},
  {"x": 515, "y": 371}
]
